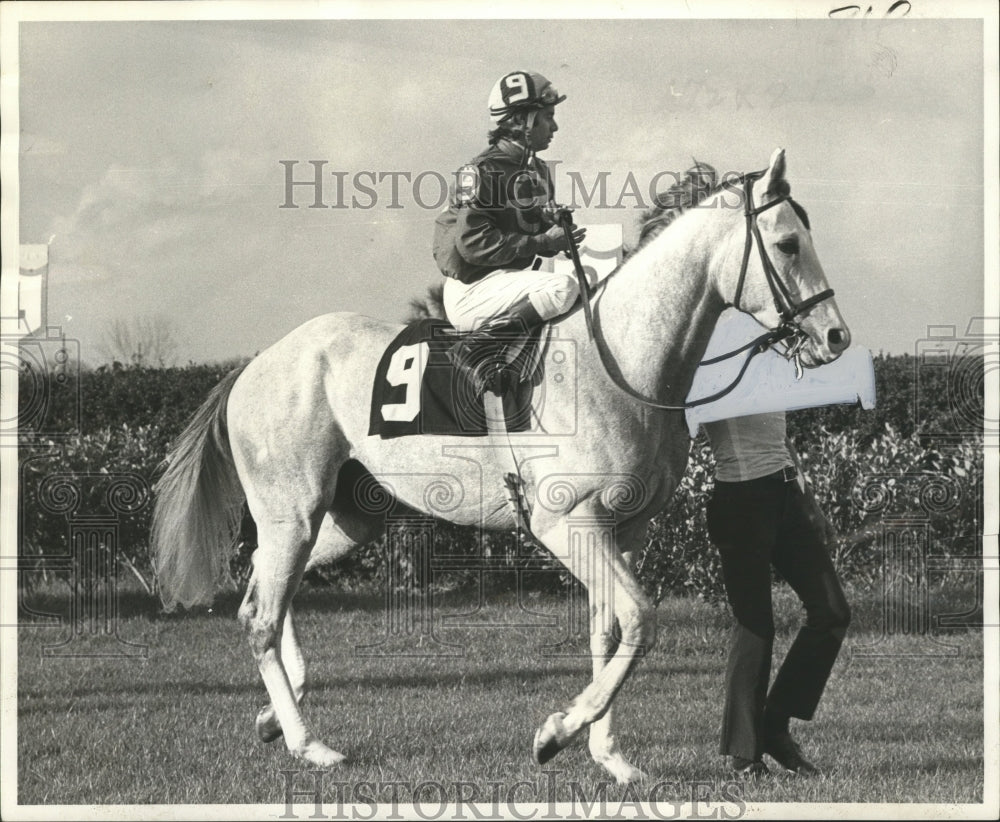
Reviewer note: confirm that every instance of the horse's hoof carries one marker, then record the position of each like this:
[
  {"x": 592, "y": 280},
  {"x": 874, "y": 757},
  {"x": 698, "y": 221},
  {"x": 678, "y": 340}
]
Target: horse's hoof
[
  {"x": 318, "y": 754},
  {"x": 624, "y": 772},
  {"x": 268, "y": 726},
  {"x": 550, "y": 738}
]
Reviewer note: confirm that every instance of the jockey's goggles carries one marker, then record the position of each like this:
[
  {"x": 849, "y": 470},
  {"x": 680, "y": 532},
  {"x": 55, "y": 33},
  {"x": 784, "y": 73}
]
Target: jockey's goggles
[{"x": 550, "y": 97}]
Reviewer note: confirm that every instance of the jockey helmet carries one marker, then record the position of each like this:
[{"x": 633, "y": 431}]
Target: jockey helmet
[{"x": 521, "y": 91}]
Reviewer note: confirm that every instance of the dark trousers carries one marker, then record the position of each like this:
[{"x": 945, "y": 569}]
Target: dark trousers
[{"x": 757, "y": 524}]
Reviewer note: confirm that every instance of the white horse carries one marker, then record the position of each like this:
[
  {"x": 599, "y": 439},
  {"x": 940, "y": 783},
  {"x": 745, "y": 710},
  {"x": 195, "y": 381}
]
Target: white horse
[{"x": 289, "y": 434}]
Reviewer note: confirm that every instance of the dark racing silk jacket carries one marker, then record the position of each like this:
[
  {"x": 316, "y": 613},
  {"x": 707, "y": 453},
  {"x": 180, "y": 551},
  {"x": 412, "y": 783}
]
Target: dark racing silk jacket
[{"x": 495, "y": 214}]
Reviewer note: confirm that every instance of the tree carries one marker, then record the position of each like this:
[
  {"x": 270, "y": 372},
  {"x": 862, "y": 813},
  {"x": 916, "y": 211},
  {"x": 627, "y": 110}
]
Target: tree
[{"x": 143, "y": 341}]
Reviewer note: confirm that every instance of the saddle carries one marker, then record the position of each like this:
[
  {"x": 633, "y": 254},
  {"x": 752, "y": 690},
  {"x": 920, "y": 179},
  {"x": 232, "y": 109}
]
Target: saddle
[
  {"x": 496, "y": 361},
  {"x": 418, "y": 389}
]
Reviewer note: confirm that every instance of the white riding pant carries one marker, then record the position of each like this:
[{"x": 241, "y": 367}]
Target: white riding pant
[{"x": 470, "y": 305}]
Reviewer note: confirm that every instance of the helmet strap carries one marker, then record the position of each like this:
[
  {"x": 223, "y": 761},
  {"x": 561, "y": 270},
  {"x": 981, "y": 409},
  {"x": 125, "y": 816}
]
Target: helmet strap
[{"x": 529, "y": 122}]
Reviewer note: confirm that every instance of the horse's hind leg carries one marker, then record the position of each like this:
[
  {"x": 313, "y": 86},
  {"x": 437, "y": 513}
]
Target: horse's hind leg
[
  {"x": 344, "y": 528},
  {"x": 268, "y": 726},
  {"x": 278, "y": 566}
]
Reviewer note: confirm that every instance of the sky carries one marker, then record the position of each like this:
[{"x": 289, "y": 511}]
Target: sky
[{"x": 151, "y": 153}]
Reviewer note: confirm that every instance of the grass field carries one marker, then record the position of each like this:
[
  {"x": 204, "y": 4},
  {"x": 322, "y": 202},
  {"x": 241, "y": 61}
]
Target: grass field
[{"x": 898, "y": 725}]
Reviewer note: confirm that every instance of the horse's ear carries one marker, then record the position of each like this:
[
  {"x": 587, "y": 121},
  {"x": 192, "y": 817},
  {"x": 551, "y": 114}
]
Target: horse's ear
[{"x": 774, "y": 183}]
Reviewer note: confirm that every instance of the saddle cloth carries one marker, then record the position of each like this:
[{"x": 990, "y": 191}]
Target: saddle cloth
[{"x": 418, "y": 391}]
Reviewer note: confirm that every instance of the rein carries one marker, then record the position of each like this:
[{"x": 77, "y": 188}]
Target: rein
[{"x": 787, "y": 308}]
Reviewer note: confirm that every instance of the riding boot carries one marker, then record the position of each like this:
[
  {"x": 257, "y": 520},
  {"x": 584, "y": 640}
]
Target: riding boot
[{"x": 481, "y": 354}]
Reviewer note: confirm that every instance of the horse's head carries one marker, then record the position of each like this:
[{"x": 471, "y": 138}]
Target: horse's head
[{"x": 780, "y": 280}]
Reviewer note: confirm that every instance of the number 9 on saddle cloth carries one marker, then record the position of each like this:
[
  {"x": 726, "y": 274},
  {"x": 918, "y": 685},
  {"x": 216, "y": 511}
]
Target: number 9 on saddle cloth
[{"x": 418, "y": 390}]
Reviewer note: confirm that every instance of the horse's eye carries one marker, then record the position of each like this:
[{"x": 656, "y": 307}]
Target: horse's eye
[{"x": 789, "y": 247}]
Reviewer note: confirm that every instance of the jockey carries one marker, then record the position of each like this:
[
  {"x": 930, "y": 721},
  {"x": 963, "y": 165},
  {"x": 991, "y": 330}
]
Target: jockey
[{"x": 501, "y": 220}]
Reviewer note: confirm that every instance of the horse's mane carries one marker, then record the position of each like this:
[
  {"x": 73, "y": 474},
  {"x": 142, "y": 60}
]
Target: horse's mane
[{"x": 698, "y": 183}]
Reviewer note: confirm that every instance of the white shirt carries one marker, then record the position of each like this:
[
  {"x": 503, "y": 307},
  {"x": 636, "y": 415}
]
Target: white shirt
[{"x": 749, "y": 447}]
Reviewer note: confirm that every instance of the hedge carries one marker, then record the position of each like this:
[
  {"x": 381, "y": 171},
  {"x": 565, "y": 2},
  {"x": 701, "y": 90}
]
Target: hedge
[
  {"x": 913, "y": 398},
  {"x": 118, "y": 422}
]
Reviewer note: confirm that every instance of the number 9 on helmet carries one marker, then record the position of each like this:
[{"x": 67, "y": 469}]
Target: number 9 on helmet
[{"x": 521, "y": 91}]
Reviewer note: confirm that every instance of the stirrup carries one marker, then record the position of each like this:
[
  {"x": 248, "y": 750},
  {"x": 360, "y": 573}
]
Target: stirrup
[{"x": 482, "y": 368}]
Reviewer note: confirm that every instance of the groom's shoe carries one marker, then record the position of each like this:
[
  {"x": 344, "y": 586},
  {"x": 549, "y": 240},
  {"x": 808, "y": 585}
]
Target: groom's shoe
[
  {"x": 749, "y": 769},
  {"x": 784, "y": 750}
]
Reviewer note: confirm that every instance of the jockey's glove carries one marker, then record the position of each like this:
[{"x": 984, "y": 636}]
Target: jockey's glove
[{"x": 554, "y": 240}]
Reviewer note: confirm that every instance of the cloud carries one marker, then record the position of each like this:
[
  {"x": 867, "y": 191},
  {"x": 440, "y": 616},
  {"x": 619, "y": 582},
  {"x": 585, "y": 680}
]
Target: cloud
[
  {"x": 139, "y": 224},
  {"x": 129, "y": 197}
]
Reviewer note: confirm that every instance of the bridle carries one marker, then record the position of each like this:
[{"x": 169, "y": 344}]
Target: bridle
[{"x": 788, "y": 310}]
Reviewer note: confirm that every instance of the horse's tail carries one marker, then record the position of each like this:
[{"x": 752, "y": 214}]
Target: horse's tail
[{"x": 199, "y": 507}]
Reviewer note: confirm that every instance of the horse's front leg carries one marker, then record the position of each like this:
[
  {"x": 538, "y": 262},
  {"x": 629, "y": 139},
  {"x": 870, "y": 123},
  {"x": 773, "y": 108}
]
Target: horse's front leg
[
  {"x": 604, "y": 641},
  {"x": 615, "y": 593}
]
